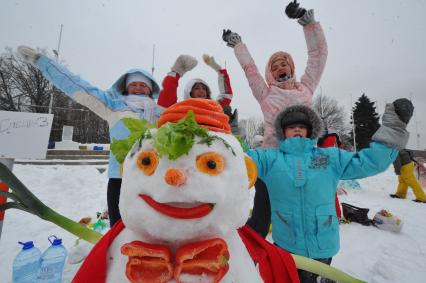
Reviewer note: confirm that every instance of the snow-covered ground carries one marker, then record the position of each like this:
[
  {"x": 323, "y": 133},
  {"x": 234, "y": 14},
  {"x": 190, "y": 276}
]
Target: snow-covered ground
[{"x": 366, "y": 252}]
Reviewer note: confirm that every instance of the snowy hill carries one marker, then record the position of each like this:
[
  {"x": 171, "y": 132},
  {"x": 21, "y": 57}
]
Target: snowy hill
[{"x": 366, "y": 252}]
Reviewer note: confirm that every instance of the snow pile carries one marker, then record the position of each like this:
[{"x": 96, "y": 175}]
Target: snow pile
[{"x": 73, "y": 191}]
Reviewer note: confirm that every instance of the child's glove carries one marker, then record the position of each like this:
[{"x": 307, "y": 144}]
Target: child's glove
[
  {"x": 393, "y": 131},
  {"x": 231, "y": 38},
  {"x": 293, "y": 11},
  {"x": 404, "y": 108},
  {"x": 183, "y": 64},
  {"x": 308, "y": 18},
  {"x": 209, "y": 60},
  {"x": 29, "y": 54},
  {"x": 233, "y": 118}
]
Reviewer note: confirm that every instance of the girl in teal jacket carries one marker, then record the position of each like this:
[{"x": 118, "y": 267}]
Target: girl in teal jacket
[{"x": 301, "y": 178}]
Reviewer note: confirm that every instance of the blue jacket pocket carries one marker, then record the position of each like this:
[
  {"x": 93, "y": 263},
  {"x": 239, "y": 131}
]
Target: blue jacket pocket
[
  {"x": 284, "y": 228},
  {"x": 327, "y": 227}
]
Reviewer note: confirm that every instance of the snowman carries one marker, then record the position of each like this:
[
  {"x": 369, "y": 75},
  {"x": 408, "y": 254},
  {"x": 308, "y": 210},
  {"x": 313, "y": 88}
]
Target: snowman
[{"x": 184, "y": 194}]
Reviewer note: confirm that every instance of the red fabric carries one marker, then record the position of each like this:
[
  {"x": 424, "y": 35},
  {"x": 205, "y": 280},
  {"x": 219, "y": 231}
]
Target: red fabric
[
  {"x": 328, "y": 141},
  {"x": 3, "y": 199},
  {"x": 228, "y": 88},
  {"x": 94, "y": 267},
  {"x": 168, "y": 95},
  {"x": 331, "y": 141},
  {"x": 337, "y": 204},
  {"x": 275, "y": 264}
]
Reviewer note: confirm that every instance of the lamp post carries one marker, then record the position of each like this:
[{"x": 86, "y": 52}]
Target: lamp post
[
  {"x": 353, "y": 123},
  {"x": 56, "y": 52},
  {"x": 153, "y": 58}
]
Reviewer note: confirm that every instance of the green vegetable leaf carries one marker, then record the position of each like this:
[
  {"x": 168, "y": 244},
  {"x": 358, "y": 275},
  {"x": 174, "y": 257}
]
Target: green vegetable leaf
[
  {"x": 137, "y": 128},
  {"x": 177, "y": 139}
]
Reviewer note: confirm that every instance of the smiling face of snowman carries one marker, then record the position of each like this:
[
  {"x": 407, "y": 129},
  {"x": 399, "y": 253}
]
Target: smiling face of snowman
[{"x": 203, "y": 193}]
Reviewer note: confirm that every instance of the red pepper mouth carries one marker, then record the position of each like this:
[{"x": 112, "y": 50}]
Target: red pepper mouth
[{"x": 179, "y": 210}]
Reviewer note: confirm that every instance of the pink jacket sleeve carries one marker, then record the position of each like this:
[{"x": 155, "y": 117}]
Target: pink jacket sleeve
[
  {"x": 256, "y": 81},
  {"x": 317, "y": 55}
]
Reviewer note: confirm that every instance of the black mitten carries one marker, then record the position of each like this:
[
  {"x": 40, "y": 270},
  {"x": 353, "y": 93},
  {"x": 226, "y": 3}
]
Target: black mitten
[
  {"x": 293, "y": 11},
  {"x": 404, "y": 109}
]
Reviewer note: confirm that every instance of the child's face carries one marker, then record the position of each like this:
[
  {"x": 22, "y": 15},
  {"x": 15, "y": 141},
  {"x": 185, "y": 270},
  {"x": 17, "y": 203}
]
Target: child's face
[
  {"x": 199, "y": 90},
  {"x": 281, "y": 70},
  {"x": 138, "y": 88},
  {"x": 295, "y": 130}
]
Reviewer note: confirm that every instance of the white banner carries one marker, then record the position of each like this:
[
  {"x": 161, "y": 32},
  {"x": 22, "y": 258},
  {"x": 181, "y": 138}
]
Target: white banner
[{"x": 24, "y": 135}]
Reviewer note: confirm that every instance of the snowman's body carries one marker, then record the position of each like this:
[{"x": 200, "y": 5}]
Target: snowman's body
[
  {"x": 213, "y": 174},
  {"x": 241, "y": 266}
]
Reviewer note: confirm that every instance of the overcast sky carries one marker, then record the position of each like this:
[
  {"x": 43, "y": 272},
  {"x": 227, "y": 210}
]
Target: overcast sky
[{"x": 376, "y": 47}]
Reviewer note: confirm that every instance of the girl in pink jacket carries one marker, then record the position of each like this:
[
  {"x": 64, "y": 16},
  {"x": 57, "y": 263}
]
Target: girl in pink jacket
[{"x": 279, "y": 88}]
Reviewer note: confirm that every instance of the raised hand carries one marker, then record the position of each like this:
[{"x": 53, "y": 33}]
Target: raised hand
[
  {"x": 404, "y": 109},
  {"x": 307, "y": 18},
  {"x": 231, "y": 38},
  {"x": 209, "y": 60},
  {"x": 29, "y": 54},
  {"x": 183, "y": 64},
  {"x": 293, "y": 11}
]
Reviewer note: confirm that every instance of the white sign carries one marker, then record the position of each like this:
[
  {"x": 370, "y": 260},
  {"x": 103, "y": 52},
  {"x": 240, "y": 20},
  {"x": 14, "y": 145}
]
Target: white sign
[
  {"x": 67, "y": 132},
  {"x": 24, "y": 135}
]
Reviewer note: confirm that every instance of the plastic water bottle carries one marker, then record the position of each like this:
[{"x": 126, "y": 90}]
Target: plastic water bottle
[
  {"x": 52, "y": 262},
  {"x": 26, "y": 264}
]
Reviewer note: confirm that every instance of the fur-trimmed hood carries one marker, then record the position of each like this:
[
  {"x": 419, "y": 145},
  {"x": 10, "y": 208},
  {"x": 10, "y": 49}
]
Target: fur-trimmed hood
[
  {"x": 190, "y": 84},
  {"x": 119, "y": 87},
  {"x": 314, "y": 118},
  {"x": 291, "y": 83}
]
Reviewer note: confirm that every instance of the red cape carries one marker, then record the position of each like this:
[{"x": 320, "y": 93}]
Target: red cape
[{"x": 275, "y": 264}]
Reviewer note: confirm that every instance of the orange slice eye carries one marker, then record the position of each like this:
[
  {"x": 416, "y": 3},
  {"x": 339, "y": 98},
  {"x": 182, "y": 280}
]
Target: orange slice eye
[
  {"x": 147, "y": 161},
  {"x": 210, "y": 163},
  {"x": 251, "y": 171}
]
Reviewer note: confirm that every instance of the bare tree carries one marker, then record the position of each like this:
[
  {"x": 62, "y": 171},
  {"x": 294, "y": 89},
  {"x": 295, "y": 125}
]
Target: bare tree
[
  {"x": 22, "y": 86},
  {"x": 7, "y": 91},
  {"x": 249, "y": 128},
  {"x": 332, "y": 114}
]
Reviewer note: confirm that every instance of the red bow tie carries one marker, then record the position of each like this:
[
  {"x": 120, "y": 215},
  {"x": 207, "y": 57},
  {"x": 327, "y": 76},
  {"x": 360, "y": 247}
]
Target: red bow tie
[{"x": 151, "y": 263}]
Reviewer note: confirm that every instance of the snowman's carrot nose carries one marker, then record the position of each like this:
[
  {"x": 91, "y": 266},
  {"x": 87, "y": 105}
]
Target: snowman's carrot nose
[{"x": 175, "y": 177}]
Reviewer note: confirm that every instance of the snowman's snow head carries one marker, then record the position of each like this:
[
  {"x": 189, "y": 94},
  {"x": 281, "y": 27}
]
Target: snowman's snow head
[{"x": 176, "y": 187}]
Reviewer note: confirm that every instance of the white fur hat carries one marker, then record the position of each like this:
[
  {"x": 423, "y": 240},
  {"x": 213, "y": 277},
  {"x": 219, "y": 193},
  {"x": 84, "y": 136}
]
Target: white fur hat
[{"x": 138, "y": 77}]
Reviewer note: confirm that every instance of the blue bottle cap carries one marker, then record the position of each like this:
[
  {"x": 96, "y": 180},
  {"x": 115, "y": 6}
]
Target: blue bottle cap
[
  {"x": 56, "y": 241},
  {"x": 27, "y": 245}
]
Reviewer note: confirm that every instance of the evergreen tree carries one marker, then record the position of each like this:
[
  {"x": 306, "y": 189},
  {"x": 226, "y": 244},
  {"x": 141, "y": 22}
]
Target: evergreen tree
[{"x": 366, "y": 121}]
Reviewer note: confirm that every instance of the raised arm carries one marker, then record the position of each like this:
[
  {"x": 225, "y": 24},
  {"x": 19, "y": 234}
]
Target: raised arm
[
  {"x": 387, "y": 141},
  {"x": 168, "y": 94},
  {"x": 317, "y": 55},
  {"x": 315, "y": 41},
  {"x": 256, "y": 82},
  {"x": 72, "y": 85},
  {"x": 225, "y": 89}
]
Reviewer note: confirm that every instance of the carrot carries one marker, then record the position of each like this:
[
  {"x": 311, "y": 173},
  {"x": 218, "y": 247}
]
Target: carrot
[
  {"x": 201, "y": 103},
  {"x": 203, "y": 121},
  {"x": 208, "y": 114},
  {"x": 217, "y": 115}
]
